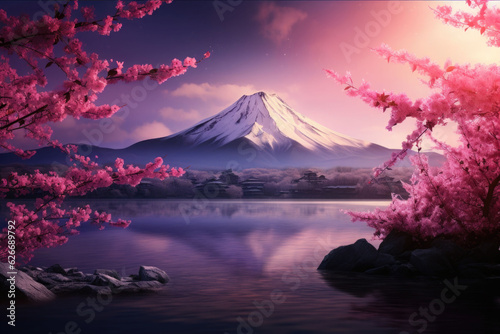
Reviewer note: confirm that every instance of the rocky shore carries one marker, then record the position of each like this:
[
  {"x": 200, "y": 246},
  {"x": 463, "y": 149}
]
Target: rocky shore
[
  {"x": 43, "y": 284},
  {"x": 399, "y": 255}
]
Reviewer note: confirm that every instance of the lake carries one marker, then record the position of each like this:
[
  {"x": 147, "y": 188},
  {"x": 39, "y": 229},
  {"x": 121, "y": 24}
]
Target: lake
[{"x": 245, "y": 267}]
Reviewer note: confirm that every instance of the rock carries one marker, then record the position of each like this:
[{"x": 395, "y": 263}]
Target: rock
[
  {"x": 51, "y": 279},
  {"x": 32, "y": 271},
  {"x": 71, "y": 271},
  {"x": 57, "y": 280},
  {"x": 148, "y": 273},
  {"x": 56, "y": 269},
  {"x": 71, "y": 287},
  {"x": 112, "y": 273},
  {"x": 78, "y": 275},
  {"x": 141, "y": 286},
  {"x": 383, "y": 270},
  {"x": 80, "y": 288},
  {"x": 487, "y": 251},
  {"x": 450, "y": 249},
  {"x": 431, "y": 262},
  {"x": 479, "y": 270},
  {"x": 396, "y": 243},
  {"x": 26, "y": 286},
  {"x": 94, "y": 290},
  {"x": 359, "y": 256},
  {"x": 105, "y": 280},
  {"x": 384, "y": 260}
]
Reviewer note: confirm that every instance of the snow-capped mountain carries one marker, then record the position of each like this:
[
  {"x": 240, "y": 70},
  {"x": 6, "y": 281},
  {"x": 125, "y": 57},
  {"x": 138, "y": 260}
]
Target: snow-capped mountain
[
  {"x": 259, "y": 130},
  {"x": 270, "y": 124}
]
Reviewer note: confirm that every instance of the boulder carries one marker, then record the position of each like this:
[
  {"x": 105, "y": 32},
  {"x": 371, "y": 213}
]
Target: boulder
[
  {"x": 77, "y": 275},
  {"x": 105, "y": 280},
  {"x": 51, "y": 279},
  {"x": 450, "y": 249},
  {"x": 141, "y": 286},
  {"x": 404, "y": 270},
  {"x": 70, "y": 281},
  {"x": 479, "y": 270},
  {"x": 383, "y": 270},
  {"x": 431, "y": 262},
  {"x": 148, "y": 273},
  {"x": 359, "y": 257},
  {"x": 397, "y": 243},
  {"x": 80, "y": 288},
  {"x": 57, "y": 269},
  {"x": 32, "y": 271},
  {"x": 384, "y": 260},
  {"x": 26, "y": 286},
  {"x": 109, "y": 272},
  {"x": 486, "y": 252}
]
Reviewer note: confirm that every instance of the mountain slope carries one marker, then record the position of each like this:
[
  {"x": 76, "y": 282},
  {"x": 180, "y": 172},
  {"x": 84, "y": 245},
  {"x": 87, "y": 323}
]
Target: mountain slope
[
  {"x": 269, "y": 123},
  {"x": 258, "y": 130}
]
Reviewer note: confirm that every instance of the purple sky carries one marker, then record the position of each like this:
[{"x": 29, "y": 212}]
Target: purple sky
[{"x": 279, "y": 47}]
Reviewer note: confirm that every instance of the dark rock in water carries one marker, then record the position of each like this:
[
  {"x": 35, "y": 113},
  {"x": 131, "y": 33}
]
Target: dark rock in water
[
  {"x": 105, "y": 280},
  {"x": 487, "y": 251},
  {"x": 359, "y": 257},
  {"x": 33, "y": 272},
  {"x": 384, "y": 260},
  {"x": 453, "y": 252},
  {"x": 72, "y": 271},
  {"x": 76, "y": 275},
  {"x": 112, "y": 273},
  {"x": 26, "y": 287},
  {"x": 396, "y": 243},
  {"x": 383, "y": 270},
  {"x": 401, "y": 256},
  {"x": 479, "y": 270},
  {"x": 431, "y": 262},
  {"x": 51, "y": 279},
  {"x": 93, "y": 289},
  {"x": 148, "y": 273},
  {"x": 141, "y": 286},
  {"x": 78, "y": 287},
  {"x": 56, "y": 269}
]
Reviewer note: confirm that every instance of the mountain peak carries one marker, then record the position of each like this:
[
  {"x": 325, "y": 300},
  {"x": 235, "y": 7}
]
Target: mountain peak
[
  {"x": 269, "y": 123},
  {"x": 260, "y": 94}
]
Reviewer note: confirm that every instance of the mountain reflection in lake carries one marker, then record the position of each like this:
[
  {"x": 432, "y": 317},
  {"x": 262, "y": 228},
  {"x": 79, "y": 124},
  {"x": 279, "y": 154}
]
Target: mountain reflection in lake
[{"x": 227, "y": 258}]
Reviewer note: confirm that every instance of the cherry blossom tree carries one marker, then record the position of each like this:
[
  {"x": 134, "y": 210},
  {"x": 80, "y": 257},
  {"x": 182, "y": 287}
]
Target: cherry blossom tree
[
  {"x": 458, "y": 200},
  {"x": 28, "y": 107}
]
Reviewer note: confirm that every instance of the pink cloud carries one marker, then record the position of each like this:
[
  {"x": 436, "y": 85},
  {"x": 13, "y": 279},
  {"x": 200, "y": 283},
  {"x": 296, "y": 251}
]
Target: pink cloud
[
  {"x": 205, "y": 91},
  {"x": 277, "y": 21},
  {"x": 151, "y": 130}
]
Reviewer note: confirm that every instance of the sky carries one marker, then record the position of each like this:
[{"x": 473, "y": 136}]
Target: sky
[{"x": 280, "y": 47}]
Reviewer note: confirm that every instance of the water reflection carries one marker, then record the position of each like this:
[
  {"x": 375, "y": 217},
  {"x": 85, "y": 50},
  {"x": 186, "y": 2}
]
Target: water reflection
[
  {"x": 474, "y": 309},
  {"x": 230, "y": 254}
]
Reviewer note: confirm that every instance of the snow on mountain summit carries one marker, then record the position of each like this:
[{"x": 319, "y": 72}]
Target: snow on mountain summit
[{"x": 269, "y": 123}]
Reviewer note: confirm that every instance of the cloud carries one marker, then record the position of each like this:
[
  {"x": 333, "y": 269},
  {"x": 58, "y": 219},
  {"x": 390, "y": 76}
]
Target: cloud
[
  {"x": 179, "y": 115},
  {"x": 277, "y": 21},
  {"x": 206, "y": 91},
  {"x": 151, "y": 130}
]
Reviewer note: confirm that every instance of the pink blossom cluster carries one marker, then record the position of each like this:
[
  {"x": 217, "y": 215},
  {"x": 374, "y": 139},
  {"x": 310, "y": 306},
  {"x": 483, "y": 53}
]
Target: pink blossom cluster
[
  {"x": 487, "y": 20},
  {"x": 461, "y": 198},
  {"x": 28, "y": 107}
]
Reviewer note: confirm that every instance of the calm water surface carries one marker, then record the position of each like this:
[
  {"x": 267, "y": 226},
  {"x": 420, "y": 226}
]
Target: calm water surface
[{"x": 245, "y": 267}]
